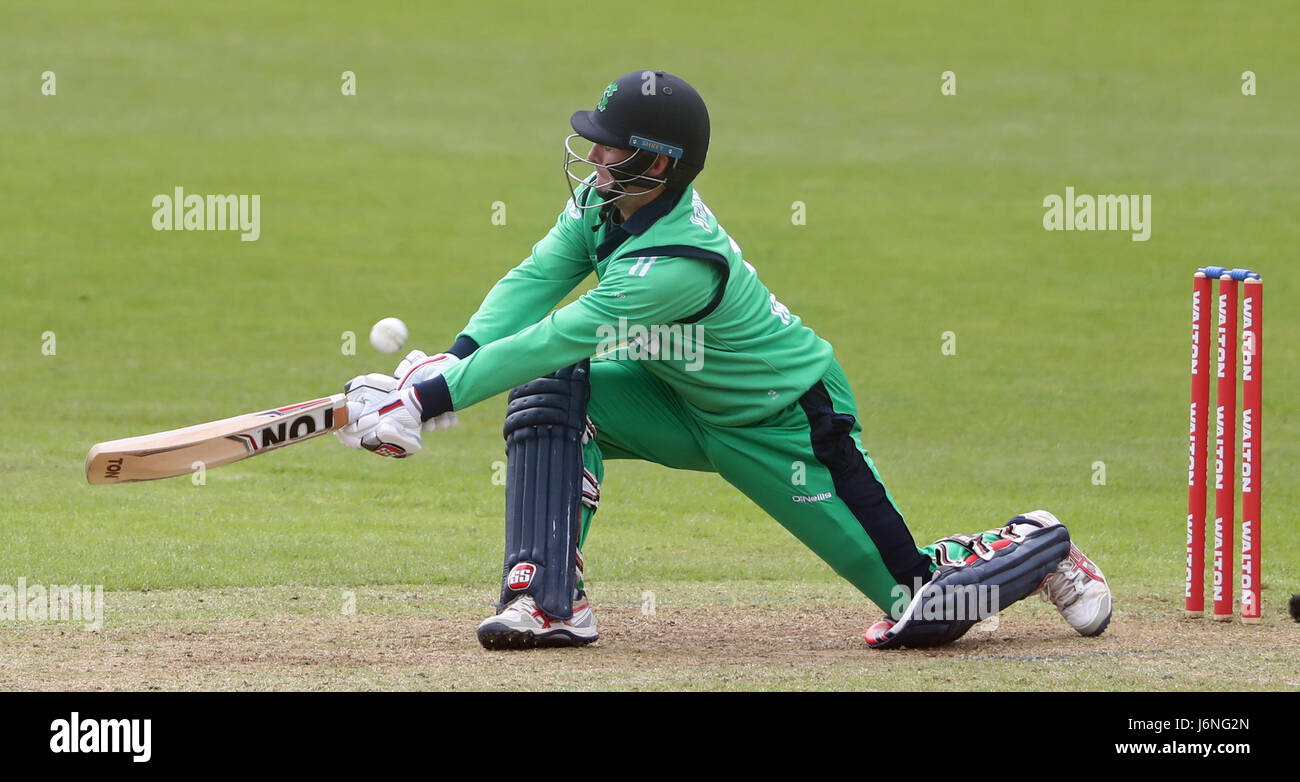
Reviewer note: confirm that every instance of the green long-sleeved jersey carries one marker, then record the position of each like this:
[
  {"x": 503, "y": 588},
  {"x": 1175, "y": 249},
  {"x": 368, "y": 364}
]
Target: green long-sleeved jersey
[{"x": 674, "y": 291}]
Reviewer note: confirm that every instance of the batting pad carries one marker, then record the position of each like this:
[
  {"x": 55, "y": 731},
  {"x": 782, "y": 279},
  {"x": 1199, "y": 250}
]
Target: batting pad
[
  {"x": 994, "y": 577},
  {"x": 545, "y": 420}
]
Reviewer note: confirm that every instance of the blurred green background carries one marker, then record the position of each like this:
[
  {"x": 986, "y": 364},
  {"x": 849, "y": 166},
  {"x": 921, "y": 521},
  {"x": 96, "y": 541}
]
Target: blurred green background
[{"x": 924, "y": 216}]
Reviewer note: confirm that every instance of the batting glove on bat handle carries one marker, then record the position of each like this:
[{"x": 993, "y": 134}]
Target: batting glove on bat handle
[
  {"x": 362, "y": 391},
  {"x": 391, "y": 425},
  {"x": 419, "y": 366}
]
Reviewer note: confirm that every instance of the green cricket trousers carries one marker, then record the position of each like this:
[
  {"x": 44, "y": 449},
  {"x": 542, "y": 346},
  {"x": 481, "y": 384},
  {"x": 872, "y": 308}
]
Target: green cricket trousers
[{"x": 805, "y": 466}]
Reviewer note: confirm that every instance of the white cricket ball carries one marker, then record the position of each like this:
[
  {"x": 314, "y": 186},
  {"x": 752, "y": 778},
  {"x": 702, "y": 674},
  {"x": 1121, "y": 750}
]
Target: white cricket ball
[{"x": 388, "y": 335}]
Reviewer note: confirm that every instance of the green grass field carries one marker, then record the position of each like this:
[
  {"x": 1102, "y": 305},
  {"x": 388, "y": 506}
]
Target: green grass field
[{"x": 924, "y": 216}]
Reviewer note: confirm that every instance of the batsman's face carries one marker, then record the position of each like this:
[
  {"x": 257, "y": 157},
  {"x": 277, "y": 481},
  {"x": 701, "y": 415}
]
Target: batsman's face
[{"x": 602, "y": 157}]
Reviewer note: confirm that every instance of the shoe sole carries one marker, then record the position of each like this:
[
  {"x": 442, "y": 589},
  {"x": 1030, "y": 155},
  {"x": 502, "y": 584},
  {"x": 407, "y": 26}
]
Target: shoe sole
[
  {"x": 1104, "y": 624},
  {"x": 1101, "y": 627},
  {"x": 496, "y": 639}
]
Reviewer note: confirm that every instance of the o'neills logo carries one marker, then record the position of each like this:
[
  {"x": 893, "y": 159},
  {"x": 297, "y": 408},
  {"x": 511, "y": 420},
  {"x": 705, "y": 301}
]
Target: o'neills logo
[
  {"x": 521, "y": 576},
  {"x": 815, "y": 498},
  {"x": 91, "y": 735}
]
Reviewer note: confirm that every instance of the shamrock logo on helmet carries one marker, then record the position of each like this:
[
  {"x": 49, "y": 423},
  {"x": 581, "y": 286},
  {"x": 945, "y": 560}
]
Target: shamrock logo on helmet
[{"x": 604, "y": 99}]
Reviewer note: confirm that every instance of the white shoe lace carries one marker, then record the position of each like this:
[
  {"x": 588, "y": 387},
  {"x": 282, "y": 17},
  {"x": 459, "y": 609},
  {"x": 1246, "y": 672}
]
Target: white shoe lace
[
  {"x": 523, "y": 605},
  {"x": 1065, "y": 588}
]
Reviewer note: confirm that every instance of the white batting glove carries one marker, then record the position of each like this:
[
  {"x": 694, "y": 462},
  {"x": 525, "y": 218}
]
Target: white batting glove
[
  {"x": 361, "y": 391},
  {"x": 419, "y": 366},
  {"x": 390, "y": 425}
]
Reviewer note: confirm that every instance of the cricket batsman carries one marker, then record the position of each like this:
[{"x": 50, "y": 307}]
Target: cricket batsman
[{"x": 681, "y": 356}]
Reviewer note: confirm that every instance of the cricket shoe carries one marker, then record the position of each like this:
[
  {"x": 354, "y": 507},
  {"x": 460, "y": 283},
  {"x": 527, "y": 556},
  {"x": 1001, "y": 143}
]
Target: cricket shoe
[
  {"x": 522, "y": 625},
  {"x": 1078, "y": 588}
]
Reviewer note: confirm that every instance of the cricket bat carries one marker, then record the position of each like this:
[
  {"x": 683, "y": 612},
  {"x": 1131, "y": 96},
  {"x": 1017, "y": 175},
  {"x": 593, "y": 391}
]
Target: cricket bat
[{"x": 182, "y": 451}]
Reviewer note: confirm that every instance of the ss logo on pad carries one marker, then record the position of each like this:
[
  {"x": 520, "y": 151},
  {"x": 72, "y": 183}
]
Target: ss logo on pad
[{"x": 521, "y": 576}]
